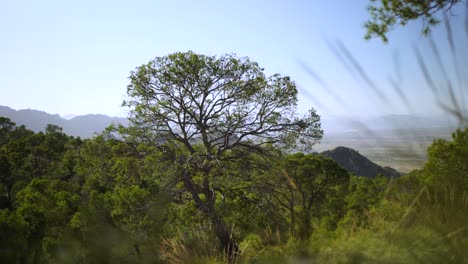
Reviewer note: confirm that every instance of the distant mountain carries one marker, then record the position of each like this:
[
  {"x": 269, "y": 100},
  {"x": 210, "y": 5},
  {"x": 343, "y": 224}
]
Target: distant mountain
[
  {"x": 357, "y": 164},
  {"x": 68, "y": 116},
  {"x": 84, "y": 126},
  {"x": 390, "y": 122},
  {"x": 337, "y": 124}
]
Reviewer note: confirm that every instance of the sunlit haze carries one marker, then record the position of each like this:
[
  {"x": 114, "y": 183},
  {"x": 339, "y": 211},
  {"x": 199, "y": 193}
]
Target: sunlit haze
[{"x": 74, "y": 57}]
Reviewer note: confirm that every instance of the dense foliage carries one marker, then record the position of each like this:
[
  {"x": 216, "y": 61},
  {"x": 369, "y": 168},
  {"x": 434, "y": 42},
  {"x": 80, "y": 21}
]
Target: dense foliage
[{"x": 115, "y": 198}]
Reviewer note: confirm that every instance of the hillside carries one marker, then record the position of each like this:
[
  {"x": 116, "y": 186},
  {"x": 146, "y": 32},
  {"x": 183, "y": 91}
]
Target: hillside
[
  {"x": 358, "y": 164},
  {"x": 84, "y": 126}
]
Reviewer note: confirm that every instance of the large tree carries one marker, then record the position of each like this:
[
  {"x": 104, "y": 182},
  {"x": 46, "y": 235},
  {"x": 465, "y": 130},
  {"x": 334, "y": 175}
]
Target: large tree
[{"x": 210, "y": 111}]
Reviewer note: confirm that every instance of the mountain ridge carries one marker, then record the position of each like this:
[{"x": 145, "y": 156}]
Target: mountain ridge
[{"x": 84, "y": 126}]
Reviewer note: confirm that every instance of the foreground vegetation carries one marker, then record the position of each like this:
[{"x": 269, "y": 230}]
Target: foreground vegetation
[{"x": 112, "y": 200}]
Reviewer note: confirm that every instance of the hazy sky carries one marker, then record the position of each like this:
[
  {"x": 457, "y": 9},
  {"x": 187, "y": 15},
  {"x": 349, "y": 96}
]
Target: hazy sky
[{"x": 74, "y": 57}]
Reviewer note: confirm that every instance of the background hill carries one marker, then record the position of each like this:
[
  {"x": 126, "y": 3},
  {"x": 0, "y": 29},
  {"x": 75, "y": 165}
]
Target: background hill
[
  {"x": 397, "y": 141},
  {"x": 358, "y": 164},
  {"x": 84, "y": 126}
]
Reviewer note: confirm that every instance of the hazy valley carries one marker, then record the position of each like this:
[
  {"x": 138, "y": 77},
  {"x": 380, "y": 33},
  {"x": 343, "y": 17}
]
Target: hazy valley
[{"x": 397, "y": 141}]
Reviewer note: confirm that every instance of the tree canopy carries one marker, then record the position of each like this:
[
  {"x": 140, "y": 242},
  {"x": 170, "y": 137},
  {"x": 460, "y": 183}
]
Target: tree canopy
[{"x": 224, "y": 103}]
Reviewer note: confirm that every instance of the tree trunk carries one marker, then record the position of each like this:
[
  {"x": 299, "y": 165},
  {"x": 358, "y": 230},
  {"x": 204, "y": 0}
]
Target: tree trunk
[
  {"x": 306, "y": 229},
  {"x": 228, "y": 244},
  {"x": 230, "y": 247}
]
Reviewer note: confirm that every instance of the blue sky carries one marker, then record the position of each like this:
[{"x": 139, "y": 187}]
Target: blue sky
[{"x": 74, "y": 57}]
